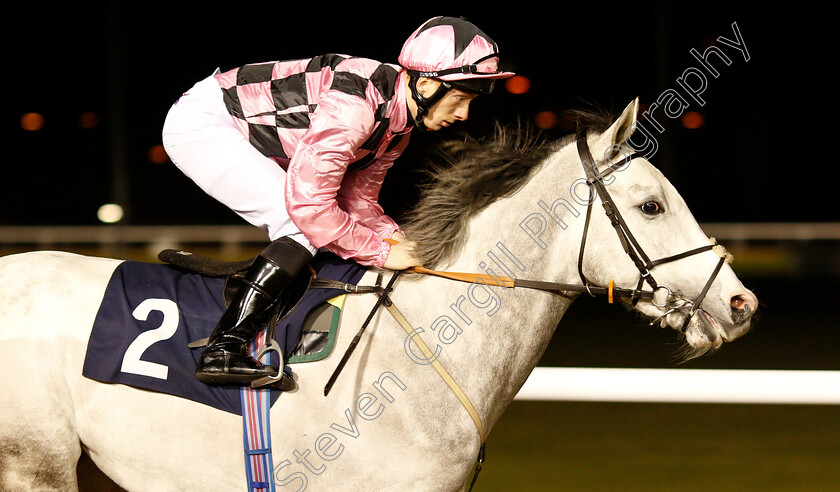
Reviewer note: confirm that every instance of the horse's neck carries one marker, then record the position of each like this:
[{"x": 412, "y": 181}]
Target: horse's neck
[{"x": 491, "y": 338}]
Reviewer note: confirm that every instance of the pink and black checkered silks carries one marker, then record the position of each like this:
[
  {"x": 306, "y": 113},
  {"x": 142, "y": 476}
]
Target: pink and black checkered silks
[{"x": 274, "y": 103}]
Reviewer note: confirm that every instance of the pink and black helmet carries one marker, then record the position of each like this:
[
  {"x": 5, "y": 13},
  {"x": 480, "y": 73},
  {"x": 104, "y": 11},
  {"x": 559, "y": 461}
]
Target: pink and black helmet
[{"x": 454, "y": 51}]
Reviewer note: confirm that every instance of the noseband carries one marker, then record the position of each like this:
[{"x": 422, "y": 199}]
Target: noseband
[{"x": 595, "y": 182}]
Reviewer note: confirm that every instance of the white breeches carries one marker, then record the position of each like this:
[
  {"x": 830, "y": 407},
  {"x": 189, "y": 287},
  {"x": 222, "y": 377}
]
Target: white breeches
[{"x": 203, "y": 141}]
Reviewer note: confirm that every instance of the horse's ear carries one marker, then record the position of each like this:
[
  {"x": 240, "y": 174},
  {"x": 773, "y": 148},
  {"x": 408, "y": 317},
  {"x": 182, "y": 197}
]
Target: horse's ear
[{"x": 625, "y": 125}]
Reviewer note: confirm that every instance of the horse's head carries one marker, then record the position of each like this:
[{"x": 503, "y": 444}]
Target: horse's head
[{"x": 697, "y": 293}]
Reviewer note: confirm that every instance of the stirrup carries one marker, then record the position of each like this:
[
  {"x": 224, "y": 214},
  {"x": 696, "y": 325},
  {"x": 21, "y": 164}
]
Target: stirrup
[{"x": 282, "y": 381}]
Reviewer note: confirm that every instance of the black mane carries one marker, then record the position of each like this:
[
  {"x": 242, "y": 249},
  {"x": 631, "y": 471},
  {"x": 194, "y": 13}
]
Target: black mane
[{"x": 474, "y": 174}]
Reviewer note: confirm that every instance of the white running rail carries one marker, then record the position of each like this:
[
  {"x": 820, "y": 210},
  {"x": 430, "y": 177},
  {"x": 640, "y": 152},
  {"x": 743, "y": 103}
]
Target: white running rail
[{"x": 682, "y": 385}]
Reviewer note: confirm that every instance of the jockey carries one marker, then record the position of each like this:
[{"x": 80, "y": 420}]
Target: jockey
[{"x": 301, "y": 148}]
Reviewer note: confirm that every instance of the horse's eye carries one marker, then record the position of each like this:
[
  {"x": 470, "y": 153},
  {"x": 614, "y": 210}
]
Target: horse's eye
[{"x": 652, "y": 208}]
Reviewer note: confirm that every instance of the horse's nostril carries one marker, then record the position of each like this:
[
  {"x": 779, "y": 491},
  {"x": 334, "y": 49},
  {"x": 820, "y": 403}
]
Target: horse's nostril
[{"x": 742, "y": 308}]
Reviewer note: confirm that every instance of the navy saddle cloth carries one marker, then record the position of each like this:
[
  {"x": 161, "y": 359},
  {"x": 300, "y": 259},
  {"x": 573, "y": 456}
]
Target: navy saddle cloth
[{"x": 150, "y": 312}]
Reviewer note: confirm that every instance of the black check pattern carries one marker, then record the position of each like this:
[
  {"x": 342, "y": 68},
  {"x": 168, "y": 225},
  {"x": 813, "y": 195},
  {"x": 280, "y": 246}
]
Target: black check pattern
[{"x": 292, "y": 104}]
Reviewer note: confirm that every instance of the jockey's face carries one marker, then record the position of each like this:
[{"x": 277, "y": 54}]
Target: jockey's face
[{"x": 451, "y": 108}]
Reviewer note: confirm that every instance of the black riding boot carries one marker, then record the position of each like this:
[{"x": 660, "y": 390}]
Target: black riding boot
[{"x": 225, "y": 360}]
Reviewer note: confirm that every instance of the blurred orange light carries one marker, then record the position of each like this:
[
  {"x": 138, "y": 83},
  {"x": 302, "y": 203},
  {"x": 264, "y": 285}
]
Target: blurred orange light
[
  {"x": 88, "y": 120},
  {"x": 32, "y": 122},
  {"x": 546, "y": 120},
  {"x": 518, "y": 84},
  {"x": 157, "y": 155},
  {"x": 693, "y": 120}
]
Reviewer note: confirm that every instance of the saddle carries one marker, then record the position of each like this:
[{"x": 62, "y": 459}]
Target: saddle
[
  {"x": 231, "y": 271},
  {"x": 318, "y": 332}
]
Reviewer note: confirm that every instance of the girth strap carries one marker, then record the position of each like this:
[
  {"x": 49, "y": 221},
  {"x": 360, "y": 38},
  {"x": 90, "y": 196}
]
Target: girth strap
[
  {"x": 447, "y": 378},
  {"x": 444, "y": 374},
  {"x": 384, "y": 299}
]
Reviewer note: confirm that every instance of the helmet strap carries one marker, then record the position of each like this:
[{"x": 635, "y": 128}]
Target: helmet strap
[{"x": 424, "y": 104}]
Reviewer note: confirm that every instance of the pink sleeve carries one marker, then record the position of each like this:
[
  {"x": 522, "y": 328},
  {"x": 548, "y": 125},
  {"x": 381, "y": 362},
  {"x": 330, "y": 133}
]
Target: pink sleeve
[
  {"x": 341, "y": 125},
  {"x": 359, "y": 194}
]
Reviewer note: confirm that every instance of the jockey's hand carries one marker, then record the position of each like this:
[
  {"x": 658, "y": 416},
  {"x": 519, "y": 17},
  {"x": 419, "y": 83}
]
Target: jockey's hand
[{"x": 401, "y": 256}]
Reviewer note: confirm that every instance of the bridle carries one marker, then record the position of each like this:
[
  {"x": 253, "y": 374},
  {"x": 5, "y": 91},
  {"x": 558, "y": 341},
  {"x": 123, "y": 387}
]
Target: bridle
[
  {"x": 597, "y": 187},
  {"x": 672, "y": 302}
]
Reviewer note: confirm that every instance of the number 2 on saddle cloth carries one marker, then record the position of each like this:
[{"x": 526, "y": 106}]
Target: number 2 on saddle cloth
[{"x": 151, "y": 314}]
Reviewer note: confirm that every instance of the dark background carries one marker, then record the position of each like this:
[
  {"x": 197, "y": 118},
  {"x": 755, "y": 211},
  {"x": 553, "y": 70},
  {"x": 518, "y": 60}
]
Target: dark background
[{"x": 765, "y": 152}]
